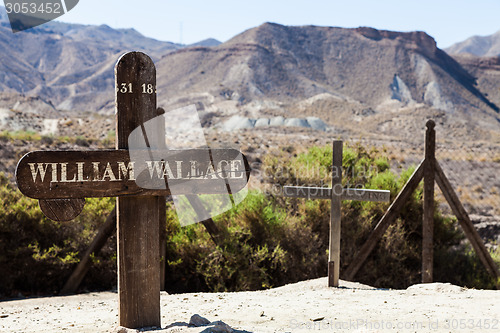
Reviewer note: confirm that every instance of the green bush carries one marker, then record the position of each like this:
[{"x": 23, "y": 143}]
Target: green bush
[
  {"x": 37, "y": 255},
  {"x": 270, "y": 240},
  {"x": 266, "y": 241},
  {"x": 262, "y": 247}
]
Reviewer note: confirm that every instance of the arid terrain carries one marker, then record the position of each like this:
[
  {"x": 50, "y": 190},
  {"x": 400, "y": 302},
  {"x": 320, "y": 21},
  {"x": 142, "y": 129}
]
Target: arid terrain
[
  {"x": 271, "y": 90},
  {"x": 302, "y": 307}
]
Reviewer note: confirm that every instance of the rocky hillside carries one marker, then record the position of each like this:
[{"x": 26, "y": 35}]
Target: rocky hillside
[
  {"x": 486, "y": 70},
  {"x": 483, "y": 46},
  {"x": 380, "y": 81},
  {"x": 68, "y": 65},
  {"x": 357, "y": 81}
]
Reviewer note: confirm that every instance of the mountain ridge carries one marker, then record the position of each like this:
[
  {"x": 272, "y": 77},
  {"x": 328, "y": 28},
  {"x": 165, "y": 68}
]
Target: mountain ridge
[
  {"x": 348, "y": 77},
  {"x": 295, "y": 54},
  {"x": 482, "y": 46},
  {"x": 69, "y": 65}
]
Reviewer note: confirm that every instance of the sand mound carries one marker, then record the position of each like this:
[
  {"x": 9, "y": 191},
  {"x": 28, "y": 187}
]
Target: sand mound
[{"x": 301, "y": 307}]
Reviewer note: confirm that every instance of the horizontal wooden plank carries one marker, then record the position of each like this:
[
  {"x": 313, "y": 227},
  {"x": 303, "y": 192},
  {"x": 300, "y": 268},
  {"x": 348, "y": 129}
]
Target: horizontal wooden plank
[
  {"x": 111, "y": 173},
  {"x": 346, "y": 193}
]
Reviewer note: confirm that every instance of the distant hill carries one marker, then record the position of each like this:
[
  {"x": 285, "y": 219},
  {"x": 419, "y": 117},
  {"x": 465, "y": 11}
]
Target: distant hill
[
  {"x": 348, "y": 77},
  {"x": 361, "y": 79},
  {"x": 206, "y": 43},
  {"x": 70, "y": 65},
  {"x": 291, "y": 63},
  {"x": 483, "y": 46},
  {"x": 486, "y": 70}
]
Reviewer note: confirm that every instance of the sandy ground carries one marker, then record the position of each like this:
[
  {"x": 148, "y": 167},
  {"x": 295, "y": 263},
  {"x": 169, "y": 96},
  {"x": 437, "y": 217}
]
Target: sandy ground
[{"x": 302, "y": 307}]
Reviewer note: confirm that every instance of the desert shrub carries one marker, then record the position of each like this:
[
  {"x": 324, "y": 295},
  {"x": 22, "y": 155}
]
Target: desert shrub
[
  {"x": 20, "y": 135},
  {"x": 262, "y": 246},
  {"x": 266, "y": 241},
  {"x": 270, "y": 240},
  {"x": 37, "y": 255},
  {"x": 396, "y": 260}
]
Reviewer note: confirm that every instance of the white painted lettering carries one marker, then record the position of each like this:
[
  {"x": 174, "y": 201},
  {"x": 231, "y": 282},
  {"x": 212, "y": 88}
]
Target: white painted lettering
[
  {"x": 167, "y": 172},
  {"x": 64, "y": 174},
  {"x": 155, "y": 167},
  {"x": 108, "y": 172},
  {"x": 210, "y": 172},
  {"x": 126, "y": 171},
  {"x": 79, "y": 172},
  {"x": 96, "y": 171},
  {"x": 179, "y": 169},
  {"x": 223, "y": 170},
  {"x": 54, "y": 172},
  {"x": 38, "y": 170},
  {"x": 195, "y": 173},
  {"x": 235, "y": 164}
]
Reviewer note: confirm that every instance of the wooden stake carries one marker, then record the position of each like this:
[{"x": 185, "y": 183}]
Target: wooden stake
[
  {"x": 428, "y": 215},
  {"x": 98, "y": 242},
  {"x": 137, "y": 217},
  {"x": 466, "y": 224},
  {"x": 163, "y": 216},
  {"x": 335, "y": 217}
]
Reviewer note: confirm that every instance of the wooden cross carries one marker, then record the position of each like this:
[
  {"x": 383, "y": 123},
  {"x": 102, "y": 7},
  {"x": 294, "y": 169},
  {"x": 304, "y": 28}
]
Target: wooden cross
[
  {"x": 61, "y": 180},
  {"x": 336, "y": 194}
]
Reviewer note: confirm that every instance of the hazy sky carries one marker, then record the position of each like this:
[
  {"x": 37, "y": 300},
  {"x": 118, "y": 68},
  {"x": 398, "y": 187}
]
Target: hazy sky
[{"x": 448, "y": 21}]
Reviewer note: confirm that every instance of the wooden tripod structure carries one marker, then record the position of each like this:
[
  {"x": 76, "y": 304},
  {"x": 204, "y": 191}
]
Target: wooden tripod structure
[{"x": 430, "y": 170}]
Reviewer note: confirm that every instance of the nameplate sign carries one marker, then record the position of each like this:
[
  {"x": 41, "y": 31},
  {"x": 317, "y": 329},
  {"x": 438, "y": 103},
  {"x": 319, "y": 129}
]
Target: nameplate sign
[{"x": 112, "y": 173}]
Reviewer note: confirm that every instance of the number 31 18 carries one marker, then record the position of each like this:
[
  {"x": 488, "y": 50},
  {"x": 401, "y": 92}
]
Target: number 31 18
[{"x": 126, "y": 88}]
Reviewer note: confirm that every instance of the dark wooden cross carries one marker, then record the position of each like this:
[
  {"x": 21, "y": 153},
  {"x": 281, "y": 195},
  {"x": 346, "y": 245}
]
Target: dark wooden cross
[
  {"x": 336, "y": 194},
  {"x": 61, "y": 180}
]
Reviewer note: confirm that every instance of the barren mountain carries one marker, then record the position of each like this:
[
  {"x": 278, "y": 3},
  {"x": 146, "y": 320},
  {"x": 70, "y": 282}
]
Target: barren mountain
[
  {"x": 486, "y": 70},
  {"x": 358, "y": 81},
  {"x": 484, "y": 46},
  {"x": 351, "y": 78},
  {"x": 68, "y": 65}
]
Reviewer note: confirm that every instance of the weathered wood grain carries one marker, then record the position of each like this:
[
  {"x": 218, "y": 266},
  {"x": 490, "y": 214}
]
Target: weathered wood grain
[
  {"x": 428, "y": 205},
  {"x": 137, "y": 217},
  {"x": 106, "y": 173},
  {"x": 62, "y": 210}
]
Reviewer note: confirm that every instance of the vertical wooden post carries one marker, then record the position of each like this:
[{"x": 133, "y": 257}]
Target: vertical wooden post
[
  {"x": 137, "y": 217},
  {"x": 163, "y": 245},
  {"x": 428, "y": 215},
  {"x": 335, "y": 214},
  {"x": 163, "y": 217}
]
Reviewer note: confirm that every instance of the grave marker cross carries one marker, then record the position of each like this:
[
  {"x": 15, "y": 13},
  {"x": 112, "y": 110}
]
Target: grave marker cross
[
  {"x": 61, "y": 180},
  {"x": 336, "y": 194}
]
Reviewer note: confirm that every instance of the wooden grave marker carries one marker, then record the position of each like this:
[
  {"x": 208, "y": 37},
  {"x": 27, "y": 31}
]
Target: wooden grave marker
[
  {"x": 429, "y": 169},
  {"x": 336, "y": 194},
  {"x": 61, "y": 180}
]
